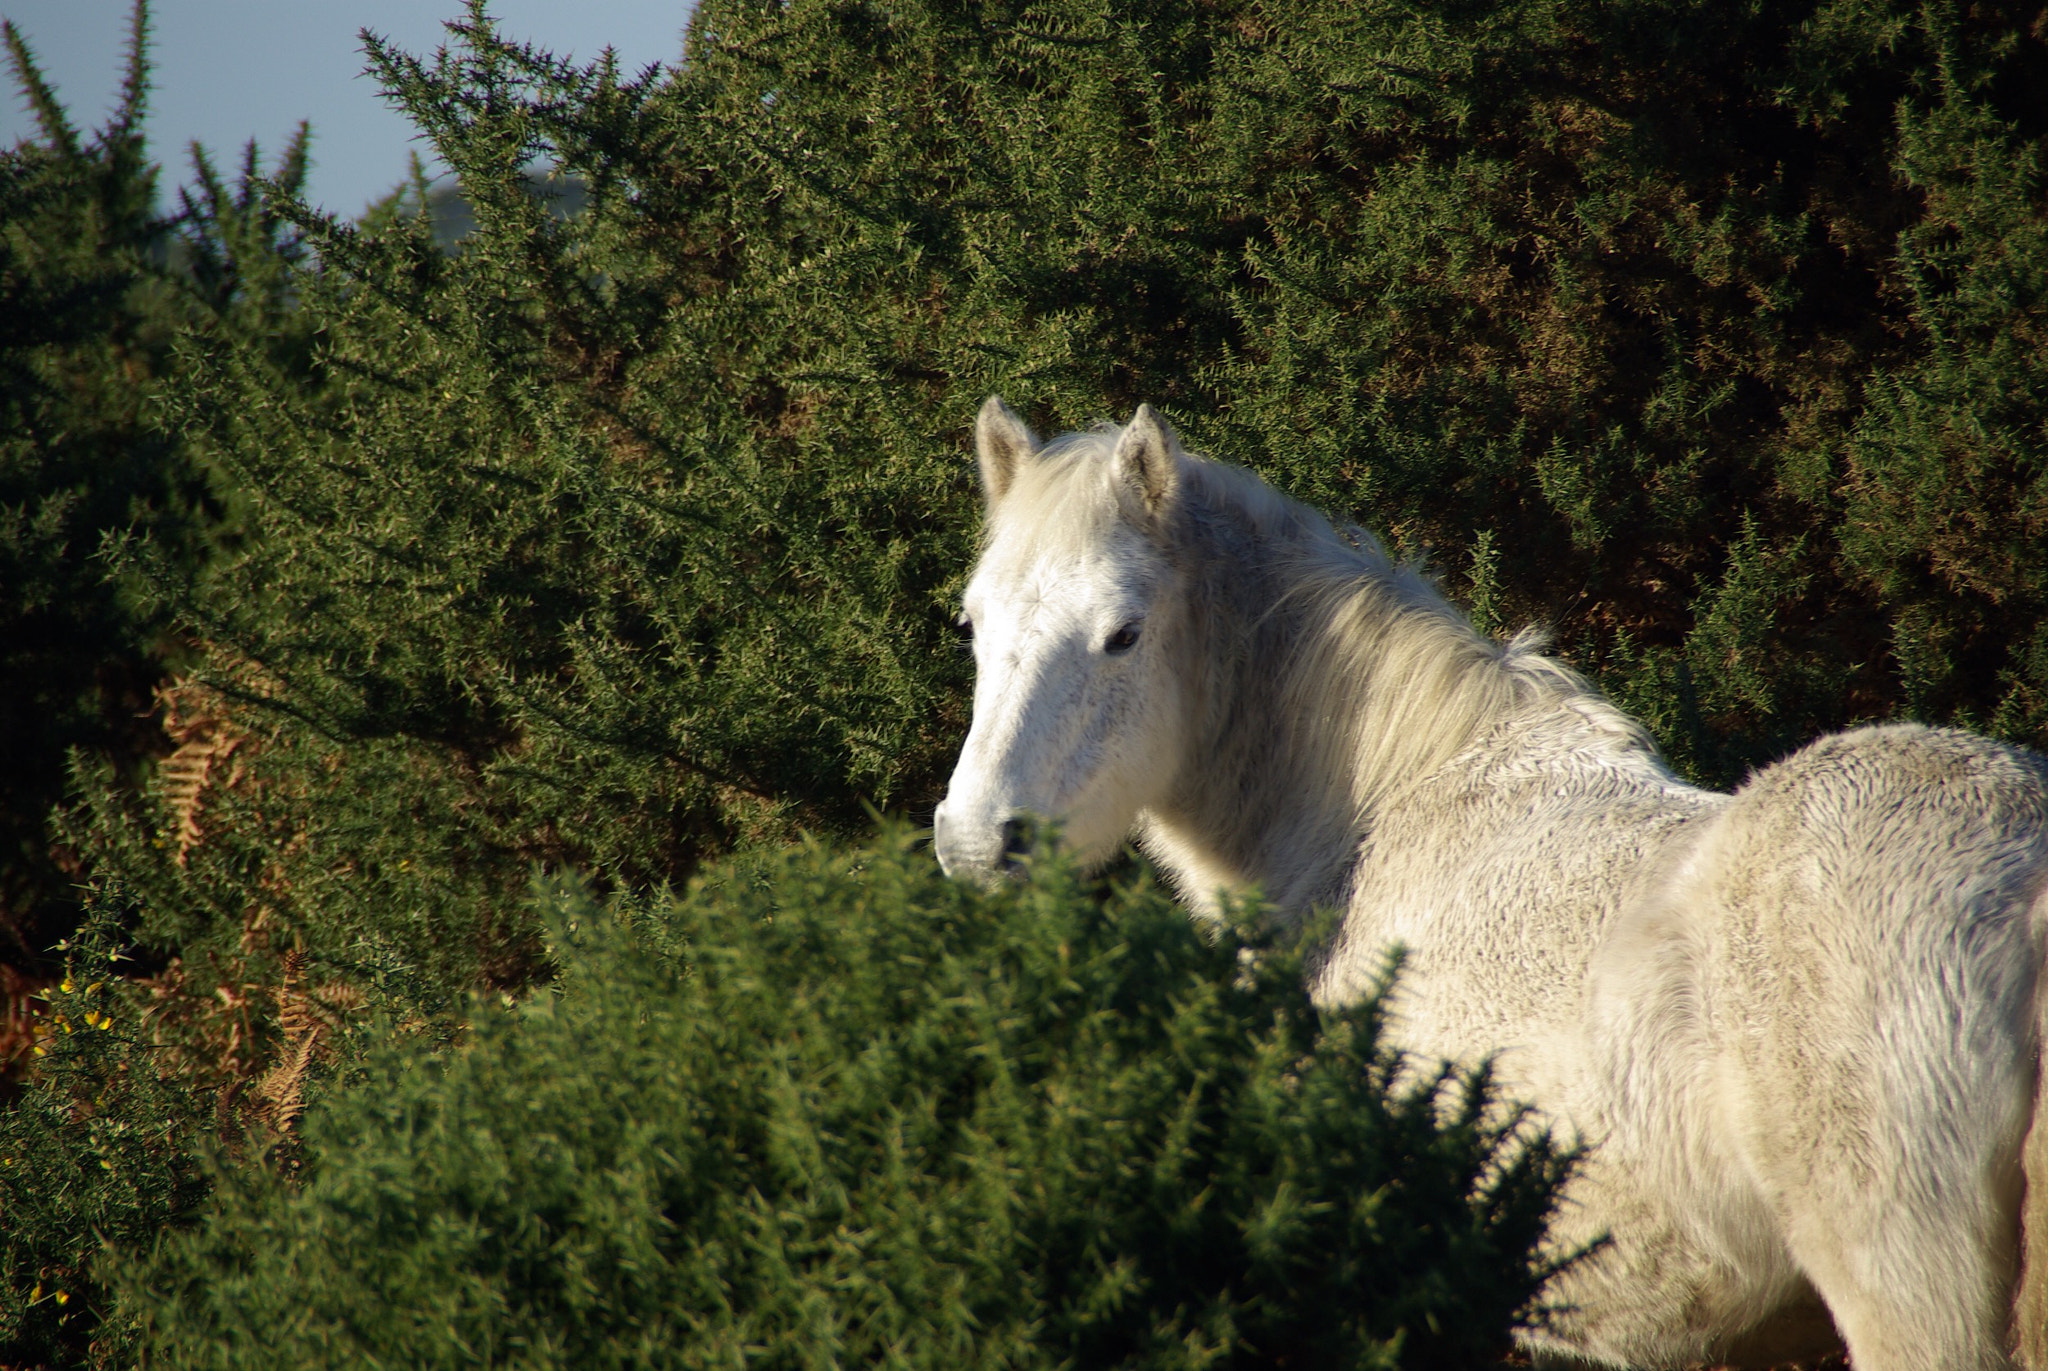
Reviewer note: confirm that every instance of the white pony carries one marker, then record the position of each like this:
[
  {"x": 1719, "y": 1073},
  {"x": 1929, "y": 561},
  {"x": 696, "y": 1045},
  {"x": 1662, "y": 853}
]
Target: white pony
[{"x": 1797, "y": 1026}]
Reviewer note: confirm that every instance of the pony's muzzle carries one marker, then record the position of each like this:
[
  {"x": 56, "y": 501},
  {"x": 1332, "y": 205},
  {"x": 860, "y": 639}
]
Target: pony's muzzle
[{"x": 984, "y": 851}]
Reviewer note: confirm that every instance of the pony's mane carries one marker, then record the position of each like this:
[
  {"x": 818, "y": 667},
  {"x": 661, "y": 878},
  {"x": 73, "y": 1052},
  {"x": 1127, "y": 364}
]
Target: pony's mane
[
  {"x": 1382, "y": 681},
  {"x": 1385, "y": 681}
]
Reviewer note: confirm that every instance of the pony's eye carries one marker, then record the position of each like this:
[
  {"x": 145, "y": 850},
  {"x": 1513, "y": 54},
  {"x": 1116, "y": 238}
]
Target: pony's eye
[
  {"x": 1123, "y": 640},
  {"x": 965, "y": 627}
]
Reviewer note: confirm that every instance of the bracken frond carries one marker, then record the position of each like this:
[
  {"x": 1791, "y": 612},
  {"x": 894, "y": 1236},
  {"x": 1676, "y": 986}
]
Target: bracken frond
[
  {"x": 305, "y": 1030},
  {"x": 205, "y": 759}
]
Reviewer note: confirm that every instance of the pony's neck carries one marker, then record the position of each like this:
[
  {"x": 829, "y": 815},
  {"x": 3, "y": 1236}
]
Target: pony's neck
[{"x": 1337, "y": 683}]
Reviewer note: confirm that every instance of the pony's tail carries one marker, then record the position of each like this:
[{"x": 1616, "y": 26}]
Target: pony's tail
[{"x": 2030, "y": 1298}]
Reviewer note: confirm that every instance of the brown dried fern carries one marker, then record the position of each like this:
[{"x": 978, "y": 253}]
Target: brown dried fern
[
  {"x": 306, "y": 1021},
  {"x": 305, "y": 1030},
  {"x": 203, "y": 762}
]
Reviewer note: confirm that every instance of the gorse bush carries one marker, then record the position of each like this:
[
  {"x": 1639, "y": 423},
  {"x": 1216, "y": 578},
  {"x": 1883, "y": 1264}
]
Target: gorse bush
[
  {"x": 96, "y": 288},
  {"x": 623, "y": 539},
  {"x": 86, "y": 328},
  {"x": 103, "y": 1147},
  {"x": 832, "y": 1108}
]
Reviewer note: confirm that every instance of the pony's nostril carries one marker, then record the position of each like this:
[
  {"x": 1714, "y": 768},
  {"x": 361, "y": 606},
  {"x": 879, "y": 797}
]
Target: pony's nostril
[{"x": 1016, "y": 838}]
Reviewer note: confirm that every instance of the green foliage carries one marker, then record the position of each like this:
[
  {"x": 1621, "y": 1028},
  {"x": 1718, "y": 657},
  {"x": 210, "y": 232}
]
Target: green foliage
[
  {"x": 98, "y": 1149},
  {"x": 77, "y": 458},
  {"x": 863, "y": 1115},
  {"x": 1703, "y": 333},
  {"x": 95, "y": 287},
  {"x": 1948, "y": 486}
]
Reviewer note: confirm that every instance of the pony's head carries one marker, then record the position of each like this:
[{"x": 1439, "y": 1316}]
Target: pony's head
[{"x": 1077, "y": 613}]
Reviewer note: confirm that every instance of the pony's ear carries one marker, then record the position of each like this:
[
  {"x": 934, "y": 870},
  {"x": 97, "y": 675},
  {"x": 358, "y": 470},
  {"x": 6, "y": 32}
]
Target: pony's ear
[
  {"x": 1147, "y": 466},
  {"x": 1002, "y": 444}
]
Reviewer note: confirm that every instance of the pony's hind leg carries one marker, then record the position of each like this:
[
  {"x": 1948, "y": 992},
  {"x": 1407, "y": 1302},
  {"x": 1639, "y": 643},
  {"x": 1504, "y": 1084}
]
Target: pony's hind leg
[
  {"x": 1905, "y": 1298},
  {"x": 1894, "y": 1169},
  {"x": 1874, "y": 984}
]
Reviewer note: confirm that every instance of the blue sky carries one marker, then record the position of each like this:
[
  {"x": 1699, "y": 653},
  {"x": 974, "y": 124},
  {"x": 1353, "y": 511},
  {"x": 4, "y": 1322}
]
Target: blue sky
[{"x": 227, "y": 71}]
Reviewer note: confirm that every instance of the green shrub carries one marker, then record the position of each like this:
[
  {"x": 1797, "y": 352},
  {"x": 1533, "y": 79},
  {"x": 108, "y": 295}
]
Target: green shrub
[
  {"x": 628, "y": 538},
  {"x": 100, "y": 1147},
  {"x": 833, "y": 1109},
  {"x": 97, "y": 285},
  {"x": 85, "y": 329}
]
